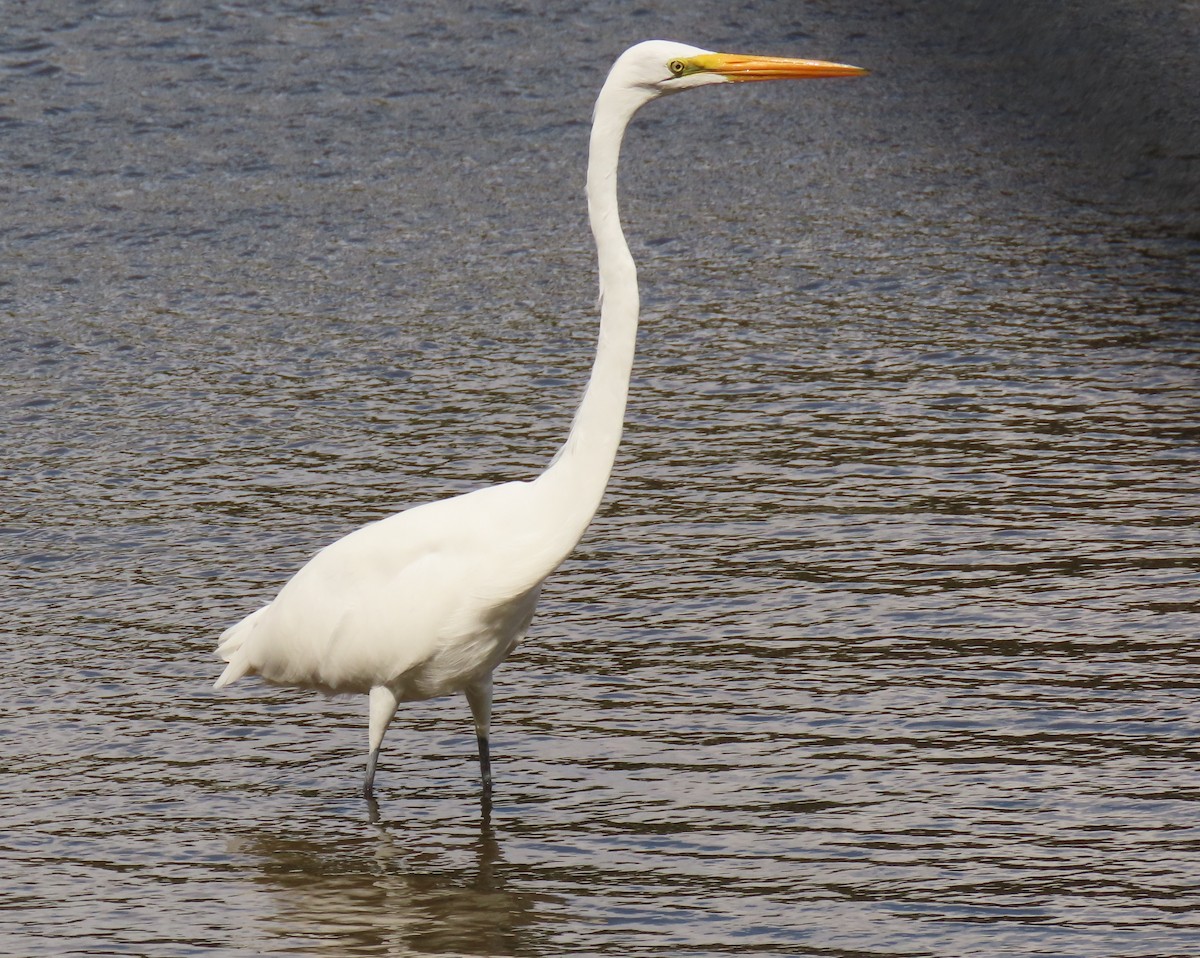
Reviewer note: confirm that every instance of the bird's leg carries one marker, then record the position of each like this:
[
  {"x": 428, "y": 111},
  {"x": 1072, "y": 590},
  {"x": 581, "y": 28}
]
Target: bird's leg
[
  {"x": 485, "y": 762},
  {"x": 369, "y": 781},
  {"x": 383, "y": 706},
  {"x": 479, "y": 697}
]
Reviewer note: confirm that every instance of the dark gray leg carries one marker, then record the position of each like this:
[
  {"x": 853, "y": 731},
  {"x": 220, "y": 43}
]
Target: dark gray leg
[
  {"x": 479, "y": 697},
  {"x": 485, "y": 762},
  {"x": 369, "y": 781}
]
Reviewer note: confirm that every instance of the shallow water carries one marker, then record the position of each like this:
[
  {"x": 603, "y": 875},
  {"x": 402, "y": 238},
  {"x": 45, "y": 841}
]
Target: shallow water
[{"x": 884, "y": 642}]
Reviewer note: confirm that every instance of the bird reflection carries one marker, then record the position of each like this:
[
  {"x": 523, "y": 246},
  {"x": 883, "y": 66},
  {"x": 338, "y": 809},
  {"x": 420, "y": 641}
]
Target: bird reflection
[
  {"x": 386, "y": 892},
  {"x": 485, "y": 810}
]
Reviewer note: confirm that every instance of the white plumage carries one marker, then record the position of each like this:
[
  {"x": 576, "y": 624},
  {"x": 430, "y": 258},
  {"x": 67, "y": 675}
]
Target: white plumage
[
  {"x": 429, "y": 601},
  {"x": 415, "y": 597}
]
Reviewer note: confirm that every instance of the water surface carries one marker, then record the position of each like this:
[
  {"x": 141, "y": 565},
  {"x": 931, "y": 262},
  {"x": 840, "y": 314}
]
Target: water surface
[{"x": 884, "y": 641}]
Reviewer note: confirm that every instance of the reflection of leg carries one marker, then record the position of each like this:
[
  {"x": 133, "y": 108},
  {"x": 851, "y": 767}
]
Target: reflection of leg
[
  {"x": 383, "y": 706},
  {"x": 479, "y": 697}
]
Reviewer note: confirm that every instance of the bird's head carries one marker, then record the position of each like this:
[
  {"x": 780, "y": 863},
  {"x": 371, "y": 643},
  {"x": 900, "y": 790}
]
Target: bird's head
[{"x": 659, "y": 67}]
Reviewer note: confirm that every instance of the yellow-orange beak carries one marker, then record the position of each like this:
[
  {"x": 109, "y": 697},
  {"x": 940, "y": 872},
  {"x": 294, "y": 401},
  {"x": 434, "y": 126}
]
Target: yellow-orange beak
[{"x": 739, "y": 68}]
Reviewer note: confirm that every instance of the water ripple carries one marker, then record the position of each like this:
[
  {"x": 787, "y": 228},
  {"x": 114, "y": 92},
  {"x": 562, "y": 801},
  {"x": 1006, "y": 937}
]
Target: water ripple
[{"x": 884, "y": 641}]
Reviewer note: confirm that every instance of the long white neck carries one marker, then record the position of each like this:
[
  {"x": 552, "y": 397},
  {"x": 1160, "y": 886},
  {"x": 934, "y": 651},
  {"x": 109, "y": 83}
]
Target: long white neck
[{"x": 575, "y": 481}]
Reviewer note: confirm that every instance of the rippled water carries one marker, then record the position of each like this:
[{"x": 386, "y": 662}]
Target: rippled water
[{"x": 884, "y": 642}]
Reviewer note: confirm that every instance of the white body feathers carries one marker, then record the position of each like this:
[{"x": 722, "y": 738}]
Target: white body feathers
[
  {"x": 412, "y": 601},
  {"x": 425, "y": 602}
]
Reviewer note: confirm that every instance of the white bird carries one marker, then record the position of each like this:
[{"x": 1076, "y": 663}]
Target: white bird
[{"x": 429, "y": 601}]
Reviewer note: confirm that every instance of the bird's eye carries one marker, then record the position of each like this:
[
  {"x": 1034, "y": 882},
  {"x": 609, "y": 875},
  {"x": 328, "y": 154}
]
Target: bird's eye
[{"x": 677, "y": 67}]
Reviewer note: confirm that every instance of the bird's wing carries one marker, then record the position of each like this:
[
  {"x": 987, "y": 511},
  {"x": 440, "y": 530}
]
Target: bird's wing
[{"x": 389, "y": 596}]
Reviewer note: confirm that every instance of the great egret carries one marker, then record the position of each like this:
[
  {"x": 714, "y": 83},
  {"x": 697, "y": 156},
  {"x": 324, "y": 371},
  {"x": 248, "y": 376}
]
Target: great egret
[{"x": 429, "y": 601}]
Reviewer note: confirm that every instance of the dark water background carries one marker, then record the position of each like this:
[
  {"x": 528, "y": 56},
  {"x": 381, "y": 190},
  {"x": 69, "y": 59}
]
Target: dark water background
[{"x": 885, "y": 640}]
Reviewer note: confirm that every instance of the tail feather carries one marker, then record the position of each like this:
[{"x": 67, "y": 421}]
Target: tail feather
[
  {"x": 233, "y": 671},
  {"x": 229, "y": 648}
]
